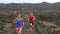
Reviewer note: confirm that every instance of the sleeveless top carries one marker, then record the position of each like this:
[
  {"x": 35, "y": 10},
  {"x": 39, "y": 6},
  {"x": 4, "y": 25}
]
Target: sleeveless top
[
  {"x": 31, "y": 18},
  {"x": 19, "y": 23}
]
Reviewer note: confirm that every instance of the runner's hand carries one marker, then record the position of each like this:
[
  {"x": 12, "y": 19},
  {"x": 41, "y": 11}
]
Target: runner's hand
[{"x": 23, "y": 23}]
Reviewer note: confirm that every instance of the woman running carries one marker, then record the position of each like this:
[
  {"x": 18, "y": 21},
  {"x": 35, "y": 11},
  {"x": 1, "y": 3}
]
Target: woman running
[
  {"x": 31, "y": 19},
  {"x": 19, "y": 23}
]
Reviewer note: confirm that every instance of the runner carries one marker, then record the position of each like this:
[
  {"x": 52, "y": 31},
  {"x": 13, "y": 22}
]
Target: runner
[
  {"x": 31, "y": 19},
  {"x": 19, "y": 23}
]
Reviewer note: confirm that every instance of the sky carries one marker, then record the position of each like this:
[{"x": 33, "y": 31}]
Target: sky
[{"x": 28, "y": 1}]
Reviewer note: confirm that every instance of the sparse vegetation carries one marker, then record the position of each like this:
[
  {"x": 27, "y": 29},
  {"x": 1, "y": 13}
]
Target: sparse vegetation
[{"x": 44, "y": 12}]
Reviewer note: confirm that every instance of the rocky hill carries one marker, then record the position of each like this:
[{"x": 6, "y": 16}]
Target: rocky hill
[{"x": 40, "y": 6}]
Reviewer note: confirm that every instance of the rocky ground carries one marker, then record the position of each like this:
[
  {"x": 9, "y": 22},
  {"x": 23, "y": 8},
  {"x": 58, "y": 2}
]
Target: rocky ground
[
  {"x": 47, "y": 28},
  {"x": 41, "y": 27}
]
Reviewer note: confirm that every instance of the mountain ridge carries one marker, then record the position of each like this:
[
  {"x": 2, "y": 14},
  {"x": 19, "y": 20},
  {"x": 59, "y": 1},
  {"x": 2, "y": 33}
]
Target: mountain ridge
[{"x": 38, "y": 6}]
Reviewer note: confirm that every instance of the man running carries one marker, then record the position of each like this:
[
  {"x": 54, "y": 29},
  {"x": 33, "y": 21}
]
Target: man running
[
  {"x": 31, "y": 19},
  {"x": 19, "y": 23}
]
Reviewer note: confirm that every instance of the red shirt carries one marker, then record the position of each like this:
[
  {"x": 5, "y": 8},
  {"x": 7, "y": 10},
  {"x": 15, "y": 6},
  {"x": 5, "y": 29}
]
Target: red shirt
[{"x": 31, "y": 18}]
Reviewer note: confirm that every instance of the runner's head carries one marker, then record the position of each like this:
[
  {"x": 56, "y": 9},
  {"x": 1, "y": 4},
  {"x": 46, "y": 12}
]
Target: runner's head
[
  {"x": 31, "y": 13},
  {"x": 19, "y": 15}
]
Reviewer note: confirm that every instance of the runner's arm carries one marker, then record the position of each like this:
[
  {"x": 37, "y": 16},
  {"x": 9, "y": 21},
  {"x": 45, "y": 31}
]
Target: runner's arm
[
  {"x": 28, "y": 18},
  {"x": 14, "y": 21},
  {"x": 34, "y": 18},
  {"x": 23, "y": 21}
]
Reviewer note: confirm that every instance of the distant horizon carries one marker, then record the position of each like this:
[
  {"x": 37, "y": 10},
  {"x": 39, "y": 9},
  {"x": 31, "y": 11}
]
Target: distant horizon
[{"x": 28, "y": 1}]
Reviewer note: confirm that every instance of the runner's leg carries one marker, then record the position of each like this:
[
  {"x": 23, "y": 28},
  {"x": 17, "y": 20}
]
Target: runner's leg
[
  {"x": 18, "y": 30},
  {"x": 32, "y": 25}
]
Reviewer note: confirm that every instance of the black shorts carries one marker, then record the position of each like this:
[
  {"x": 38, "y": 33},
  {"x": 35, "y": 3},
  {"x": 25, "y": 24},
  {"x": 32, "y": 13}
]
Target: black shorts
[{"x": 32, "y": 23}]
